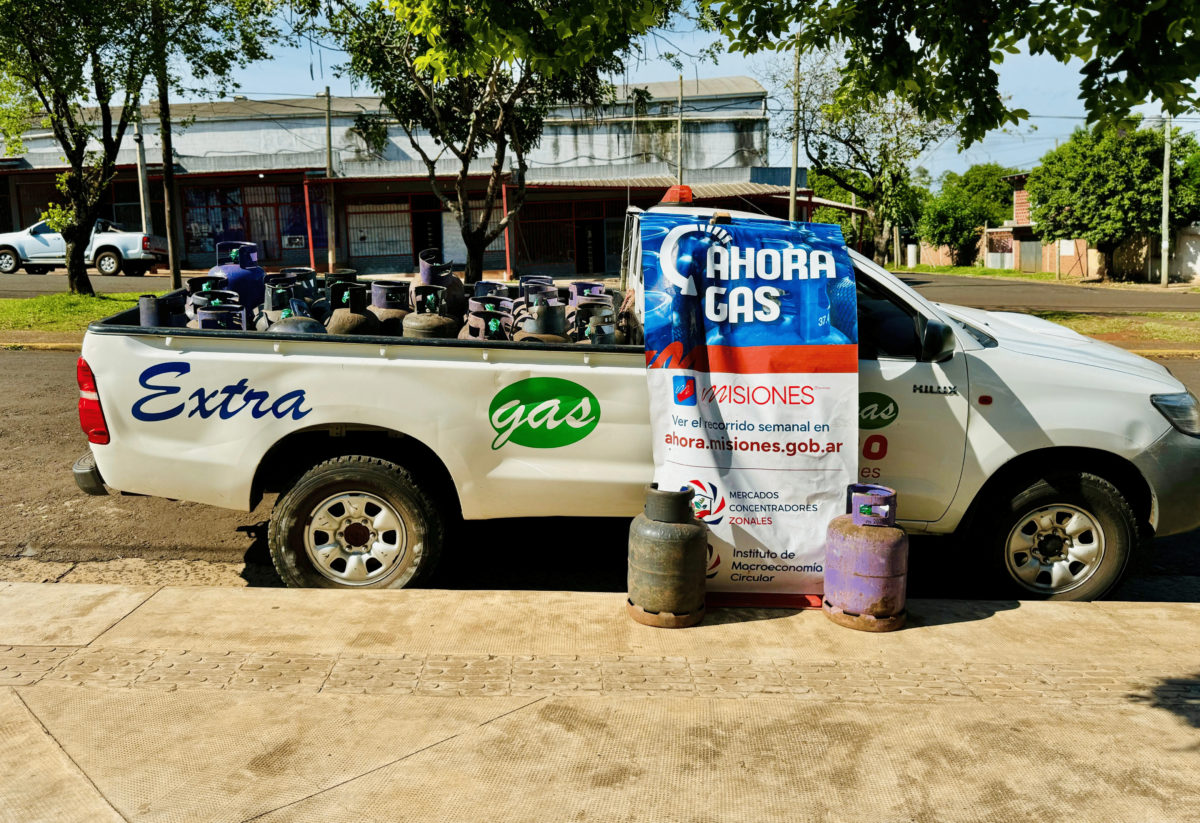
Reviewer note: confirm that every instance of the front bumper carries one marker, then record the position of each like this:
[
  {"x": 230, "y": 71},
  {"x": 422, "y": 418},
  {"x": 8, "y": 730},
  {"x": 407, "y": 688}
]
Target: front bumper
[
  {"x": 87, "y": 476},
  {"x": 1171, "y": 465}
]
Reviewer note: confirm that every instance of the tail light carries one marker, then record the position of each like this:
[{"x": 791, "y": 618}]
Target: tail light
[
  {"x": 145, "y": 242},
  {"x": 91, "y": 416}
]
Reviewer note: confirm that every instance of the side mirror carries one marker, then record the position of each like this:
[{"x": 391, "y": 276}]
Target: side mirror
[{"x": 937, "y": 340}]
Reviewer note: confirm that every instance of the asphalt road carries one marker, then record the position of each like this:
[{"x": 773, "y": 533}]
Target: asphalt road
[
  {"x": 46, "y": 522},
  {"x": 1013, "y": 295},
  {"x": 35, "y": 285},
  {"x": 977, "y": 292}
]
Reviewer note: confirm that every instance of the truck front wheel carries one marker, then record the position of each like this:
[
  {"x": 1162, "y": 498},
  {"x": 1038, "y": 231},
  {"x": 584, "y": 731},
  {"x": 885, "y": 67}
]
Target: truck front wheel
[
  {"x": 355, "y": 522},
  {"x": 10, "y": 263},
  {"x": 1067, "y": 536}
]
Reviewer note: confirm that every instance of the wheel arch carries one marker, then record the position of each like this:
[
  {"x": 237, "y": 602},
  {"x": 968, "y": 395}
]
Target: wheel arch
[
  {"x": 10, "y": 247},
  {"x": 1025, "y": 468},
  {"x": 297, "y": 452},
  {"x": 96, "y": 253}
]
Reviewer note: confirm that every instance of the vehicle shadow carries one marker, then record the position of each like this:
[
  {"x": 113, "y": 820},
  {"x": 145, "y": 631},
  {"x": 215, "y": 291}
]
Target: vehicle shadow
[{"x": 258, "y": 571}]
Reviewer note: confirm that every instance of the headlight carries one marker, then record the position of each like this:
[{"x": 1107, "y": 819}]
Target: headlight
[{"x": 1181, "y": 410}]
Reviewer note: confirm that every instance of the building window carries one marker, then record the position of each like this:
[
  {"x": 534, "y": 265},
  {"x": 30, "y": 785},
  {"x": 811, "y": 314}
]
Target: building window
[{"x": 270, "y": 215}]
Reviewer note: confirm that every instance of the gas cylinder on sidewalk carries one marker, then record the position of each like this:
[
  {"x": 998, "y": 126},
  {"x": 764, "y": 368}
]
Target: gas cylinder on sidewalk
[
  {"x": 866, "y": 563},
  {"x": 668, "y": 552}
]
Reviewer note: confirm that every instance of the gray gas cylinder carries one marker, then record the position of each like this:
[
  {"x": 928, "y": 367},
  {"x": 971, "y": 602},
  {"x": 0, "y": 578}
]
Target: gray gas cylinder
[
  {"x": 428, "y": 319},
  {"x": 668, "y": 553},
  {"x": 350, "y": 315},
  {"x": 389, "y": 302},
  {"x": 866, "y": 563}
]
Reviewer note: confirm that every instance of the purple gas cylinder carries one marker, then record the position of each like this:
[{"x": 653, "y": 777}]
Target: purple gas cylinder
[
  {"x": 238, "y": 262},
  {"x": 866, "y": 563}
]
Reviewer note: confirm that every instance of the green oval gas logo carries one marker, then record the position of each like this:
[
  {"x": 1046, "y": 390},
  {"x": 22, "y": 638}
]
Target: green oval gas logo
[
  {"x": 543, "y": 413},
  {"x": 876, "y": 410}
]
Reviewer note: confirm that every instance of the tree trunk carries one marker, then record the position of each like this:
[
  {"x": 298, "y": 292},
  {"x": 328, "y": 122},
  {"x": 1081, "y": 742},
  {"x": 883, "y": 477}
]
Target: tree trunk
[
  {"x": 1109, "y": 253},
  {"x": 76, "y": 239},
  {"x": 168, "y": 163},
  {"x": 164, "y": 134},
  {"x": 475, "y": 248}
]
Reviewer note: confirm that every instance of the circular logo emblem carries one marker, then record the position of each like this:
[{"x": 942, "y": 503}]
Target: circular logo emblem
[{"x": 876, "y": 410}]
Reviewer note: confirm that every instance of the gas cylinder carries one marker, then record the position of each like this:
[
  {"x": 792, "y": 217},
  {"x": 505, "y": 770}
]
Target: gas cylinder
[
  {"x": 485, "y": 325},
  {"x": 546, "y": 323},
  {"x": 213, "y": 298},
  {"x": 306, "y": 277},
  {"x": 389, "y": 302},
  {"x": 485, "y": 287},
  {"x": 350, "y": 315},
  {"x": 428, "y": 318},
  {"x": 434, "y": 272},
  {"x": 600, "y": 332},
  {"x": 866, "y": 563},
  {"x": 668, "y": 553},
  {"x": 149, "y": 311},
  {"x": 532, "y": 293},
  {"x": 238, "y": 262},
  {"x": 295, "y": 320},
  {"x": 339, "y": 276},
  {"x": 221, "y": 317},
  {"x": 277, "y": 299},
  {"x": 581, "y": 288}
]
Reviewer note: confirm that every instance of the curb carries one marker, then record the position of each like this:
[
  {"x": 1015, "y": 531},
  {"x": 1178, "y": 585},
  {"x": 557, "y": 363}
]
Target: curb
[
  {"x": 12, "y": 346},
  {"x": 1186, "y": 354}
]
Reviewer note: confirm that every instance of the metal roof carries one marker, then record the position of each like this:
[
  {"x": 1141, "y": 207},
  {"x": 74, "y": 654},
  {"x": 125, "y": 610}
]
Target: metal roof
[{"x": 244, "y": 108}]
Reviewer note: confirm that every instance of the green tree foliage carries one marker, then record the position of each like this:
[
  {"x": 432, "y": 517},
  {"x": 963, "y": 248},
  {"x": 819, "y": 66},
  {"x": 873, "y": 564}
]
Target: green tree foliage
[
  {"x": 84, "y": 63},
  {"x": 940, "y": 55},
  {"x": 966, "y": 202},
  {"x": 1105, "y": 185},
  {"x": 862, "y": 142},
  {"x": 479, "y": 78},
  {"x": 194, "y": 46}
]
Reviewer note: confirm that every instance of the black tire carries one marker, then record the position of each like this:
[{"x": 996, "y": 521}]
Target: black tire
[
  {"x": 10, "y": 261},
  {"x": 1029, "y": 540},
  {"x": 108, "y": 263},
  {"x": 132, "y": 270},
  {"x": 37, "y": 269},
  {"x": 365, "y": 479}
]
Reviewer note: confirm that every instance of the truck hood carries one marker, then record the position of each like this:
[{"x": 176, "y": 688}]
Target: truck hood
[{"x": 1026, "y": 334}]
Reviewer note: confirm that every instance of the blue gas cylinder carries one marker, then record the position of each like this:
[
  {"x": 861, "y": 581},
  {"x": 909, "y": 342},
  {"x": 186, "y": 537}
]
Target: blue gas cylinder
[{"x": 237, "y": 260}]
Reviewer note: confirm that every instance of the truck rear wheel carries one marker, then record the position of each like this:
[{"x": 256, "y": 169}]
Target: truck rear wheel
[
  {"x": 355, "y": 522},
  {"x": 108, "y": 263},
  {"x": 1067, "y": 536}
]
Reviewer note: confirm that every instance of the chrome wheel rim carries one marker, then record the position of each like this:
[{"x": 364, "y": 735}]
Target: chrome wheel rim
[
  {"x": 107, "y": 265},
  {"x": 7, "y": 261},
  {"x": 1055, "y": 549},
  {"x": 356, "y": 539}
]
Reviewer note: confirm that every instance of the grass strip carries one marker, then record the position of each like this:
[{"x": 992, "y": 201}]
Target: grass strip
[{"x": 61, "y": 312}]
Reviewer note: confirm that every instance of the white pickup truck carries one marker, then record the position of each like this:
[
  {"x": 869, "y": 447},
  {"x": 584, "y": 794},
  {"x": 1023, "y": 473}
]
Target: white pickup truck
[
  {"x": 40, "y": 249},
  {"x": 1049, "y": 457}
]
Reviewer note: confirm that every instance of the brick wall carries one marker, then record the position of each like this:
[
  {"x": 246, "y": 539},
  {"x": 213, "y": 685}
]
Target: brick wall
[{"x": 1021, "y": 207}]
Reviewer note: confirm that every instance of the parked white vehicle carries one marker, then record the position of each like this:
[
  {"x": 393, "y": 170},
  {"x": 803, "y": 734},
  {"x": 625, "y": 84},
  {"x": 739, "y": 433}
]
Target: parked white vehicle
[
  {"x": 40, "y": 249},
  {"x": 1049, "y": 456}
]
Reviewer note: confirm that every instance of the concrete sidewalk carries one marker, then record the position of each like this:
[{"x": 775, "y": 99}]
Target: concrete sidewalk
[{"x": 177, "y": 704}]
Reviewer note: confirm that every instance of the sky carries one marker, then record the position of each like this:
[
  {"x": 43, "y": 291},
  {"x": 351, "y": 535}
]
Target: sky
[{"x": 1046, "y": 88}]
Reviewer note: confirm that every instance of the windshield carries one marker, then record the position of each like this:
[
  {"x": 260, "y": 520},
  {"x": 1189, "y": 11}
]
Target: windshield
[{"x": 898, "y": 286}]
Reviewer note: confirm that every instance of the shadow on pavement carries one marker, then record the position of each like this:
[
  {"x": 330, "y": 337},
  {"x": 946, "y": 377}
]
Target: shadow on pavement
[
  {"x": 1178, "y": 695},
  {"x": 259, "y": 572}
]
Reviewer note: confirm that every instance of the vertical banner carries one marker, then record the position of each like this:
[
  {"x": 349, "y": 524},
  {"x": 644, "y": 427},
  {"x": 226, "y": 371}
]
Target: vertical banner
[{"x": 752, "y": 361}]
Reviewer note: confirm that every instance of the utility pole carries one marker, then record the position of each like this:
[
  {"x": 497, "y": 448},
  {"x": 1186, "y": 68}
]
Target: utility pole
[
  {"x": 1166, "y": 200},
  {"x": 679, "y": 135},
  {"x": 330, "y": 214},
  {"x": 143, "y": 180},
  {"x": 795, "y": 134}
]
